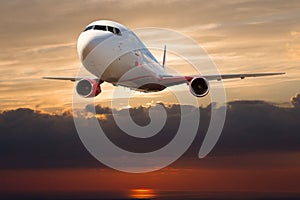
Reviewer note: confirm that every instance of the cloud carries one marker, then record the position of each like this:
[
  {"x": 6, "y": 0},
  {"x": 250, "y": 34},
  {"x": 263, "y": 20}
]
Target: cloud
[
  {"x": 293, "y": 46},
  {"x": 98, "y": 109},
  {"x": 31, "y": 139},
  {"x": 295, "y": 100}
]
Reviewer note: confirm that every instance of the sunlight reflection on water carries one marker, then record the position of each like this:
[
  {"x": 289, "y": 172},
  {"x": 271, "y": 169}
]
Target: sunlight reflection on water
[{"x": 142, "y": 193}]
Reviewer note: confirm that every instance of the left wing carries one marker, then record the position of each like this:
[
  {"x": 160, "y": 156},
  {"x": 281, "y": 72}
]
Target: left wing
[{"x": 69, "y": 78}]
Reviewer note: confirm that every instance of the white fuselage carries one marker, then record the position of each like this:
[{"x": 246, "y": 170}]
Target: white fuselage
[{"x": 114, "y": 54}]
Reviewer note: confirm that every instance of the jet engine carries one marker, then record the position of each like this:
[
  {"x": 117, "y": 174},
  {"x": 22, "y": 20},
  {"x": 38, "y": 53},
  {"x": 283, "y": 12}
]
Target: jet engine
[
  {"x": 88, "y": 88},
  {"x": 199, "y": 87}
]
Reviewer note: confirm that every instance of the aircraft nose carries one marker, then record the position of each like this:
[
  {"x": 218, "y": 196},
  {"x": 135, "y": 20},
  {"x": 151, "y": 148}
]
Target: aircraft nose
[{"x": 87, "y": 41}]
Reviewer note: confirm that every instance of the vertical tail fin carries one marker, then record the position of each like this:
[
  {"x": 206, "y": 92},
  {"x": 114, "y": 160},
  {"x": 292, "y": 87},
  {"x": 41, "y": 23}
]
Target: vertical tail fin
[{"x": 164, "y": 58}]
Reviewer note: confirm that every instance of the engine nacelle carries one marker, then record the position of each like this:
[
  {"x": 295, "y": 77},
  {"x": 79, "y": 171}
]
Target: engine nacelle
[
  {"x": 199, "y": 87},
  {"x": 88, "y": 88}
]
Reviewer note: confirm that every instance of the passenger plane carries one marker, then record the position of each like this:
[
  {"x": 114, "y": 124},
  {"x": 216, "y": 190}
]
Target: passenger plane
[{"x": 110, "y": 52}]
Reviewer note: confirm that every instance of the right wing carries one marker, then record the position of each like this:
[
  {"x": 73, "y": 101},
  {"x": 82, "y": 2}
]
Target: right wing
[
  {"x": 241, "y": 76},
  {"x": 169, "y": 80}
]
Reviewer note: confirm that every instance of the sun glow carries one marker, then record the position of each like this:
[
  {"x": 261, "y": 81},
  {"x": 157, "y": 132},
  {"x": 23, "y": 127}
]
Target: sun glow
[{"x": 142, "y": 193}]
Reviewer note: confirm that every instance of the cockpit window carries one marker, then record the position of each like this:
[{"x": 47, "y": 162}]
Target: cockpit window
[
  {"x": 88, "y": 28},
  {"x": 111, "y": 29},
  {"x": 117, "y": 31},
  {"x": 101, "y": 28}
]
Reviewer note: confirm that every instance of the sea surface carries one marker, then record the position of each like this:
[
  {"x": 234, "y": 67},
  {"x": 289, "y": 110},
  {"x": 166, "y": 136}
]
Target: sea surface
[{"x": 158, "y": 195}]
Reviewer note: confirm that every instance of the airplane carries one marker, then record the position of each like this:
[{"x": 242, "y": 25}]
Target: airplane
[{"x": 111, "y": 51}]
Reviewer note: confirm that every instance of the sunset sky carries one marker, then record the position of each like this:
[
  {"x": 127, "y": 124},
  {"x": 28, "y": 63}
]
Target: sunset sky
[
  {"x": 39, "y": 38},
  {"x": 40, "y": 152}
]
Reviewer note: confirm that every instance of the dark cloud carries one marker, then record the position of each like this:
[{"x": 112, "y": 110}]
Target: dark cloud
[
  {"x": 30, "y": 139},
  {"x": 295, "y": 100},
  {"x": 98, "y": 109},
  {"x": 258, "y": 125}
]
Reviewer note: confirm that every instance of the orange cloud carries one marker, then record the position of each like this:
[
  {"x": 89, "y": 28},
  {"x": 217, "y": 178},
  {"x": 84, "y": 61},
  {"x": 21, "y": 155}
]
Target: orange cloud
[{"x": 293, "y": 46}]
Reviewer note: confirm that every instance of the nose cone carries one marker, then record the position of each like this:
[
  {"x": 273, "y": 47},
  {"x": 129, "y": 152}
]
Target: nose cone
[{"x": 88, "y": 40}]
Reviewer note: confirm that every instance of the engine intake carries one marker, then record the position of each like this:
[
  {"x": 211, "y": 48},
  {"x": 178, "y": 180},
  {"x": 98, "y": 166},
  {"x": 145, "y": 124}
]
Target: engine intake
[
  {"x": 199, "y": 87},
  {"x": 88, "y": 88}
]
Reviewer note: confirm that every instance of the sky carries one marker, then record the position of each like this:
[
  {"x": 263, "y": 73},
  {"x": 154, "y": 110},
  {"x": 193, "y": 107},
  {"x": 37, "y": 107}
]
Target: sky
[
  {"x": 39, "y": 39},
  {"x": 40, "y": 151}
]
